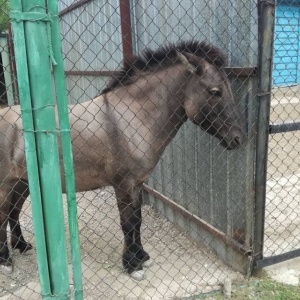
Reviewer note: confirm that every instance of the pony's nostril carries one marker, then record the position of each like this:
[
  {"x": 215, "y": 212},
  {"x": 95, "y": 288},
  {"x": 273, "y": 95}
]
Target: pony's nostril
[{"x": 237, "y": 140}]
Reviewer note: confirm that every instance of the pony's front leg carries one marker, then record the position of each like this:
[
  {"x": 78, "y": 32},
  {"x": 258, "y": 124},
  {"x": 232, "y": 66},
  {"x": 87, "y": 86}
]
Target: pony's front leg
[
  {"x": 20, "y": 193},
  {"x": 129, "y": 204}
]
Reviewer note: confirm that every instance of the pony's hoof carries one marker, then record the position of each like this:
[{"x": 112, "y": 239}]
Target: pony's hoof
[
  {"x": 7, "y": 268},
  {"x": 25, "y": 248},
  {"x": 148, "y": 263},
  {"x": 28, "y": 251},
  {"x": 138, "y": 275}
]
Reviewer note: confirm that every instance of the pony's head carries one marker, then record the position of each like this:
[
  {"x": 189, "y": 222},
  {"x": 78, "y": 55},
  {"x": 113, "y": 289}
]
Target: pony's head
[{"x": 209, "y": 100}]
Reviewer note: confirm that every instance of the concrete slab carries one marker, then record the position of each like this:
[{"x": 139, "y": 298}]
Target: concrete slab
[
  {"x": 287, "y": 272},
  {"x": 282, "y": 226}
]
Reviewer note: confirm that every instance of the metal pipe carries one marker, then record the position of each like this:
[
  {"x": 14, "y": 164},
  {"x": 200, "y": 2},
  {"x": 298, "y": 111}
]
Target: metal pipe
[
  {"x": 91, "y": 73},
  {"x": 208, "y": 227},
  {"x": 284, "y": 127},
  {"x": 238, "y": 72},
  {"x": 126, "y": 29},
  {"x": 62, "y": 107},
  {"x": 275, "y": 259},
  {"x": 241, "y": 71},
  {"x": 39, "y": 45},
  {"x": 266, "y": 12},
  {"x": 30, "y": 150}
]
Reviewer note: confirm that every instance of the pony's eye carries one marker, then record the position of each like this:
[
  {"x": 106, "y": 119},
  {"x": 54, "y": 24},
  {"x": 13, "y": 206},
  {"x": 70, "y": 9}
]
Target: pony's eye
[{"x": 215, "y": 92}]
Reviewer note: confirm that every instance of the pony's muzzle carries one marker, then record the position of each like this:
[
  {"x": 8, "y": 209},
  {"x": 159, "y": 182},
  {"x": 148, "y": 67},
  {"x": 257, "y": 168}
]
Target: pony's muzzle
[{"x": 236, "y": 141}]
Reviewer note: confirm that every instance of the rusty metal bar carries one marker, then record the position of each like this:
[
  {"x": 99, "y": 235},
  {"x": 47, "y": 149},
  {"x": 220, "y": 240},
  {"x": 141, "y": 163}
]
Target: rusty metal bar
[
  {"x": 241, "y": 72},
  {"x": 91, "y": 73},
  {"x": 230, "y": 71},
  {"x": 205, "y": 225},
  {"x": 126, "y": 29}
]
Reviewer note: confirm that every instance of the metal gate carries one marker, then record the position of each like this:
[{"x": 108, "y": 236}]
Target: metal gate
[{"x": 281, "y": 224}]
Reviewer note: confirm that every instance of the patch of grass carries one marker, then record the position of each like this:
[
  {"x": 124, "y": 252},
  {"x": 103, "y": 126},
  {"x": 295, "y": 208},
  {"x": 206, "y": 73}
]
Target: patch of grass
[
  {"x": 262, "y": 289},
  {"x": 267, "y": 289}
]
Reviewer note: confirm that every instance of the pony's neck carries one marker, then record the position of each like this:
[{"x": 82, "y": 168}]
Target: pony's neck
[
  {"x": 171, "y": 91},
  {"x": 162, "y": 95},
  {"x": 163, "y": 90},
  {"x": 156, "y": 98},
  {"x": 153, "y": 103}
]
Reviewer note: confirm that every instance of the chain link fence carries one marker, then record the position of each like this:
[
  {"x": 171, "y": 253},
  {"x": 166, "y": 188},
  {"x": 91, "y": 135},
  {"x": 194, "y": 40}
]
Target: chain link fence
[
  {"x": 195, "y": 173},
  {"x": 282, "y": 212},
  {"x": 198, "y": 202}
]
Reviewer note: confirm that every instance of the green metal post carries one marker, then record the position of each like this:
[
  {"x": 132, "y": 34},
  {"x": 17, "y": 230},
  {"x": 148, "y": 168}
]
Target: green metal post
[
  {"x": 61, "y": 99},
  {"x": 30, "y": 149},
  {"x": 38, "y": 46}
]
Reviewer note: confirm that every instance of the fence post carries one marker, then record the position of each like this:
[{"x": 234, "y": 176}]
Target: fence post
[
  {"x": 266, "y": 12},
  {"x": 32, "y": 35},
  {"x": 61, "y": 99},
  {"x": 30, "y": 149}
]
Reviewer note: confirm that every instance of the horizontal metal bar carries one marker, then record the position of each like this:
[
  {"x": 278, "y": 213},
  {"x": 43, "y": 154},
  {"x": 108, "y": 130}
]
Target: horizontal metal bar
[
  {"x": 73, "y": 6},
  {"x": 91, "y": 73},
  {"x": 284, "y": 127},
  {"x": 241, "y": 71},
  {"x": 231, "y": 72},
  {"x": 208, "y": 227},
  {"x": 268, "y": 261}
]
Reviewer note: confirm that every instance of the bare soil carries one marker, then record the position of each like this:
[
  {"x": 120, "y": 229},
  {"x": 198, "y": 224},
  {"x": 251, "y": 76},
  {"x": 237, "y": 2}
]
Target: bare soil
[{"x": 181, "y": 267}]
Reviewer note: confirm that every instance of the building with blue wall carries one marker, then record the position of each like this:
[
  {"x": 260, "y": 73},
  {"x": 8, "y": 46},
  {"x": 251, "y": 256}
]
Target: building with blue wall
[{"x": 286, "y": 70}]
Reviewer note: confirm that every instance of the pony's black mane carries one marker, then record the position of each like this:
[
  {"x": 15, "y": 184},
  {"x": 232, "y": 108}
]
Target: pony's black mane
[{"x": 163, "y": 57}]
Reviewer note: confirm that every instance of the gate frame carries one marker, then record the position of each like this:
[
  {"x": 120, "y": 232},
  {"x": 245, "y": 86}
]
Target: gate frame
[{"x": 266, "y": 29}]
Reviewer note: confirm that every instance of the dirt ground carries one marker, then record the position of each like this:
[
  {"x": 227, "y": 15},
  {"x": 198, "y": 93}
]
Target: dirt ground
[{"x": 181, "y": 267}]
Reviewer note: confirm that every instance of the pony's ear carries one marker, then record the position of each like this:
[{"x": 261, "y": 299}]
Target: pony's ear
[
  {"x": 186, "y": 59},
  {"x": 194, "y": 62}
]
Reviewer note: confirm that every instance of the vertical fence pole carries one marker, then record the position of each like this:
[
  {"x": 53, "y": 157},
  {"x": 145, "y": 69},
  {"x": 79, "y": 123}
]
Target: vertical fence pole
[
  {"x": 38, "y": 47},
  {"x": 266, "y": 12},
  {"x": 126, "y": 29},
  {"x": 61, "y": 98},
  {"x": 30, "y": 149}
]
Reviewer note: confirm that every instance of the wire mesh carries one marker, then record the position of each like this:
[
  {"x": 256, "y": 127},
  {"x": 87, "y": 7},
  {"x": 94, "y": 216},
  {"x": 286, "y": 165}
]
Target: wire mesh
[
  {"x": 182, "y": 267},
  {"x": 198, "y": 201},
  {"x": 282, "y": 209}
]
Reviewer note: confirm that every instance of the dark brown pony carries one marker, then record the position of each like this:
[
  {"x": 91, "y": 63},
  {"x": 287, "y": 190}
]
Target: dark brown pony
[{"x": 119, "y": 136}]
